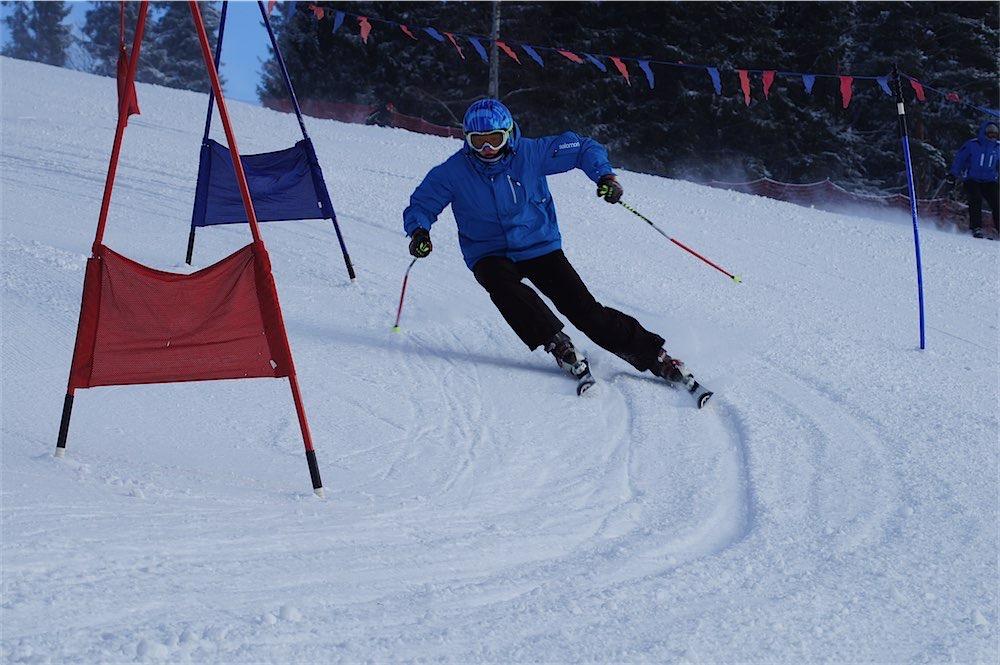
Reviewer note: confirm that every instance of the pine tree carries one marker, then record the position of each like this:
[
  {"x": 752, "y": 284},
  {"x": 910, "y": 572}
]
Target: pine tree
[
  {"x": 53, "y": 36},
  {"x": 170, "y": 53},
  {"x": 680, "y": 127},
  {"x": 21, "y": 44},
  {"x": 173, "y": 50},
  {"x": 101, "y": 30},
  {"x": 38, "y": 32}
]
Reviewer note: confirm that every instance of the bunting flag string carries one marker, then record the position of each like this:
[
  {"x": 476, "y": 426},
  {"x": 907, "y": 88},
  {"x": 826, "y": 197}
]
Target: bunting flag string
[
  {"x": 768, "y": 76},
  {"x": 479, "y": 49},
  {"x": 451, "y": 38},
  {"x": 622, "y": 69},
  {"x": 846, "y": 89},
  {"x": 365, "y": 28},
  {"x": 950, "y": 96},
  {"x": 569, "y": 55},
  {"x": 768, "y": 79},
  {"x": 534, "y": 54},
  {"x": 506, "y": 49},
  {"x": 745, "y": 85},
  {"x": 716, "y": 80},
  {"x": 596, "y": 63},
  {"x": 644, "y": 66},
  {"x": 406, "y": 31}
]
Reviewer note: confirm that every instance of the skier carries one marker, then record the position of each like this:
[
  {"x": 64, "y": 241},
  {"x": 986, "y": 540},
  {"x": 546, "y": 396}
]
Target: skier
[
  {"x": 508, "y": 232},
  {"x": 977, "y": 162}
]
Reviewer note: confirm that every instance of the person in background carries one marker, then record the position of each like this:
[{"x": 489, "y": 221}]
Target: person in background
[{"x": 977, "y": 164}]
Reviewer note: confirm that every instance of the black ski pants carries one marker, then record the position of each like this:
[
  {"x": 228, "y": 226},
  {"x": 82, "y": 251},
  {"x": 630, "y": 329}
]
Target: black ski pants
[
  {"x": 535, "y": 323},
  {"x": 976, "y": 192}
]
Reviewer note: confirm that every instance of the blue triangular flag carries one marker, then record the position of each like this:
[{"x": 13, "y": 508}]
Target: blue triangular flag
[
  {"x": 479, "y": 49},
  {"x": 434, "y": 33},
  {"x": 534, "y": 54},
  {"x": 808, "y": 80},
  {"x": 597, "y": 63},
  {"x": 338, "y": 18},
  {"x": 644, "y": 66},
  {"x": 716, "y": 81},
  {"x": 883, "y": 82}
]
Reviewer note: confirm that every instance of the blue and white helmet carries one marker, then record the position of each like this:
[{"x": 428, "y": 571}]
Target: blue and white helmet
[{"x": 487, "y": 115}]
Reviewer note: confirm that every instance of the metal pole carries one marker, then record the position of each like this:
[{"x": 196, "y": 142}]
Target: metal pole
[
  {"x": 252, "y": 218},
  {"x": 494, "y": 90},
  {"x": 402, "y": 294},
  {"x": 735, "y": 278},
  {"x": 904, "y": 136},
  {"x": 284, "y": 70},
  {"x": 218, "y": 56},
  {"x": 109, "y": 182}
]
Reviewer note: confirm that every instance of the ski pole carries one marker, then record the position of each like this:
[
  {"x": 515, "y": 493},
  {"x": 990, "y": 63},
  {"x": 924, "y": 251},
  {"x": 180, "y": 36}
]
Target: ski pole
[
  {"x": 402, "y": 294},
  {"x": 638, "y": 214}
]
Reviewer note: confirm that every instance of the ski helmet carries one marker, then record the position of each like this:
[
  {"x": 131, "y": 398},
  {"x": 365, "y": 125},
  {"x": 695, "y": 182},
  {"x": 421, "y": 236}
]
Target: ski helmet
[{"x": 487, "y": 115}]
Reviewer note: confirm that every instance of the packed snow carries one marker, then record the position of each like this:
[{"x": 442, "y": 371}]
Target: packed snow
[{"x": 838, "y": 501}]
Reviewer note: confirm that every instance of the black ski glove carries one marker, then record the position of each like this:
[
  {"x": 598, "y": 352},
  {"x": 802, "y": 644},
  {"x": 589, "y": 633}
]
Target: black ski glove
[
  {"x": 609, "y": 189},
  {"x": 420, "y": 243}
]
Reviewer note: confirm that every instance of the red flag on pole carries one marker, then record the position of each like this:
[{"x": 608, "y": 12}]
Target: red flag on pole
[
  {"x": 745, "y": 85},
  {"x": 919, "y": 90},
  {"x": 622, "y": 69},
  {"x": 317, "y": 11},
  {"x": 768, "y": 79},
  {"x": 406, "y": 31},
  {"x": 846, "y": 89},
  {"x": 506, "y": 49},
  {"x": 270, "y": 6},
  {"x": 366, "y": 28}
]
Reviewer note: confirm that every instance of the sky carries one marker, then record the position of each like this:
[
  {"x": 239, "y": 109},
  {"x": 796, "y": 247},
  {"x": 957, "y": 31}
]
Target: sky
[{"x": 241, "y": 58}]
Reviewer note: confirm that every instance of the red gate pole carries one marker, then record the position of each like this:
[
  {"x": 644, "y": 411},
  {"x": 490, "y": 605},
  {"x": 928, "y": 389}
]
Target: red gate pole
[
  {"x": 109, "y": 184},
  {"x": 241, "y": 179}
]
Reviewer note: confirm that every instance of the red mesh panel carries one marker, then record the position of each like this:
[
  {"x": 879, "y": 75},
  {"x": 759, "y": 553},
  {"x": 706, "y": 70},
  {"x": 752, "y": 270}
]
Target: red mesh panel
[{"x": 140, "y": 325}]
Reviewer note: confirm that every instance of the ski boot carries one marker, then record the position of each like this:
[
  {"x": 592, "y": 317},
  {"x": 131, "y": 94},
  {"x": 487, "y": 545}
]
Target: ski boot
[
  {"x": 575, "y": 364},
  {"x": 677, "y": 375}
]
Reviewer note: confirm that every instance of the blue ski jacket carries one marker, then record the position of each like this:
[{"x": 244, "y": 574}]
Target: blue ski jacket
[
  {"x": 504, "y": 208},
  {"x": 979, "y": 158}
]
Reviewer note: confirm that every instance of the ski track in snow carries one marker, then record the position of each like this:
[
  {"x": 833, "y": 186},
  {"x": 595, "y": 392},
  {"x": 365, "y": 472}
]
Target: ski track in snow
[{"x": 836, "y": 502}]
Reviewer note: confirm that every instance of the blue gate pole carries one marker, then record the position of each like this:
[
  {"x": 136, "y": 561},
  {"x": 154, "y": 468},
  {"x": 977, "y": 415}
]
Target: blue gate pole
[
  {"x": 314, "y": 165},
  {"x": 904, "y": 135},
  {"x": 208, "y": 122}
]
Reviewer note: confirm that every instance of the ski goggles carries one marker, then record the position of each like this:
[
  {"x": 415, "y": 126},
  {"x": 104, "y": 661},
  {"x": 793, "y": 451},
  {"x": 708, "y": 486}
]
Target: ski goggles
[{"x": 479, "y": 141}]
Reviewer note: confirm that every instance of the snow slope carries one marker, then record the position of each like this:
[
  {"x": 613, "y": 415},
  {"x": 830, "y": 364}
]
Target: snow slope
[{"x": 839, "y": 502}]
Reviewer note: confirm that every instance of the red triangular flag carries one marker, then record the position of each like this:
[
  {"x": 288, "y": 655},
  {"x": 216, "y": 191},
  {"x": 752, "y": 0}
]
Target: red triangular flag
[
  {"x": 846, "y": 89},
  {"x": 506, "y": 49},
  {"x": 270, "y": 6},
  {"x": 317, "y": 11},
  {"x": 919, "y": 89},
  {"x": 745, "y": 85},
  {"x": 572, "y": 56},
  {"x": 366, "y": 28},
  {"x": 406, "y": 31},
  {"x": 458, "y": 48},
  {"x": 622, "y": 69},
  {"x": 953, "y": 97},
  {"x": 768, "y": 79}
]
